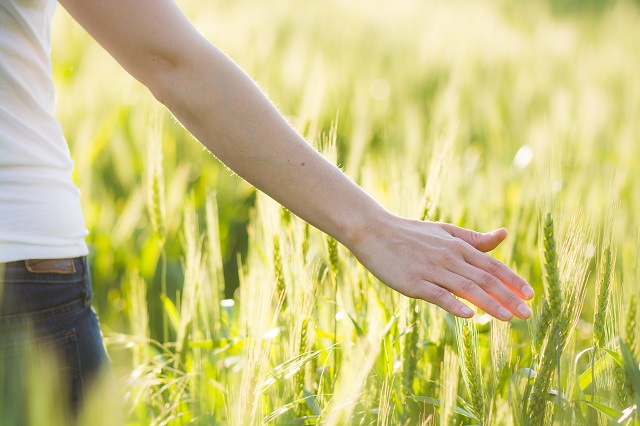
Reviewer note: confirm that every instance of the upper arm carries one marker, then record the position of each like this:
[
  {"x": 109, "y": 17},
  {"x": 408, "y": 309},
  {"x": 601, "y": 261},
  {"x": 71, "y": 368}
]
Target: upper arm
[{"x": 147, "y": 37}]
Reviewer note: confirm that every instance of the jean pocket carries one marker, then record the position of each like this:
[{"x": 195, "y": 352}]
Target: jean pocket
[{"x": 40, "y": 369}]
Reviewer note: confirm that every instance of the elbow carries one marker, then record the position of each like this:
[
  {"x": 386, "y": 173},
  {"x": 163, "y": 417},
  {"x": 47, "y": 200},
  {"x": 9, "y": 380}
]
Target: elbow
[
  {"x": 160, "y": 81},
  {"x": 172, "y": 72},
  {"x": 159, "y": 67},
  {"x": 171, "y": 77}
]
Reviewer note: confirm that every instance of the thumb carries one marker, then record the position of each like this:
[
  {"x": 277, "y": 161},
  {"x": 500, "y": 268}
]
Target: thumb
[{"x": 480, "y": 241}]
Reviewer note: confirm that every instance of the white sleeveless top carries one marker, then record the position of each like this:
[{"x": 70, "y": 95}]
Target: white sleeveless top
[{"x": 40, "y": 215}]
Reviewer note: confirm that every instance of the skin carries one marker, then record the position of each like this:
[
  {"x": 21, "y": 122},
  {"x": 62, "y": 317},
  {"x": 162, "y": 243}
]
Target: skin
[{"x": 224, "y": 109}]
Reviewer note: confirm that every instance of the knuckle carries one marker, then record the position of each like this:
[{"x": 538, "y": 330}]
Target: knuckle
[
  {"x": 511, "y": 282},
  {"x": 487, "y": 280},
  {"x": 448, "y": 257},
  {"x": 511, "y": 299},
  {"x": 460, "y": 245},
  {"x": 439, "y": 224},
  {"x": 439, "y": 253},
  {"x": 493, "y": 266},
  {"x": 515, "y": 281},
  {"x": 467, "y": 286},
  {"x": 450, "y": 304},
  {"x": 413, "y": 292},
  {"x": 413, "y": 289},
  {"x": 436, "y": 295},
  {"x": 475, "y": 237}
]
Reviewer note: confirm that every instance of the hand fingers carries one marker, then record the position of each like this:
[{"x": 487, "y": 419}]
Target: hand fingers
[
  {"x": 478, "y": 240},
  {"x": 471, "y": 291},
  {"x": 495, "y": 288},
  {"x": 500, "y": 271},
  {"x": 437, "y": 295}
]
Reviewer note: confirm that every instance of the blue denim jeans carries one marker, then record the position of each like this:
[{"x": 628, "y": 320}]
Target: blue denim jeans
[{"x": 45, "y": 306}]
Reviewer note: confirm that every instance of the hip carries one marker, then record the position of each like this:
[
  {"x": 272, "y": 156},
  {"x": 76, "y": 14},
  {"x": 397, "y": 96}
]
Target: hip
[{"x": 45, "y": 307}]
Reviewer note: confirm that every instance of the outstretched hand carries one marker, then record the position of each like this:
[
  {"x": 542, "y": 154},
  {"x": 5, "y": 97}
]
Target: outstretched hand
[{"x": 432, "y": 260}]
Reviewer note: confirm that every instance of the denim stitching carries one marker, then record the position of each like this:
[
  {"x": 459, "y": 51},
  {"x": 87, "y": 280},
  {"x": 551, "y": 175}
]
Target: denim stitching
[
  {"x": 43, "y": 315},
  {"x": 43, "y": 281},
  {"x": 18, "y": 345}
]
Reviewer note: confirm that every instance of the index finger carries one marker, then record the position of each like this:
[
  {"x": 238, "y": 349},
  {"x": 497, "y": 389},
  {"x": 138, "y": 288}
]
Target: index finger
[{"x": 500, "y": 271}]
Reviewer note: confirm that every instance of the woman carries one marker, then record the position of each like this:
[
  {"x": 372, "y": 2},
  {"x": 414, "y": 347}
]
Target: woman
[{"x": 42, "y": 246}]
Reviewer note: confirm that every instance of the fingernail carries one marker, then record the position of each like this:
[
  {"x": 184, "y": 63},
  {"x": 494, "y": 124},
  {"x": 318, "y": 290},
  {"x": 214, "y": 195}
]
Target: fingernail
[
  {"x": 528, "y": 292},
  {"x": 504, "y": 314},
  {"x": 466, "y": 311},
  {"x": 525, "y": 311}
]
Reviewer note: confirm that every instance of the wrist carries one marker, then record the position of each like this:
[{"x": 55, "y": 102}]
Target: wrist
[{"x": 367, "y": 225}]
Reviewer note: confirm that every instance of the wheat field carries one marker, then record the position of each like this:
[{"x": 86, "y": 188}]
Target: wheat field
[{"x": 220, "y": 307}]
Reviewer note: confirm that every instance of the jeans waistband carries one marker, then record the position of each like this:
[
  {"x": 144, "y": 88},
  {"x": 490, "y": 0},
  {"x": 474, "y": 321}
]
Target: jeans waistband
[
  {"x": 38, "y": 270},
  {"x": 42, "y": 290},
  {"x": 46, "y": 261}
]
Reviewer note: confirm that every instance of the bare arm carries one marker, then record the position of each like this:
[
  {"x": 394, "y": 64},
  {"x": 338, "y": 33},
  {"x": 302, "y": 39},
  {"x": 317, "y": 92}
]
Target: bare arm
[{"x": 222, "y": 107}]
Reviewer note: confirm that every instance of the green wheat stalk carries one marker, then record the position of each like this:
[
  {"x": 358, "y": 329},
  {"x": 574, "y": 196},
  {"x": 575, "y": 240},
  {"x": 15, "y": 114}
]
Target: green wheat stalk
[
  {"x": 449, "y": 381},
  {"x": 549, "y": 321},
  {"x": 554, "y": 288},
  {"x": 299, "y": 380},
  {"x": 473, "y": 369},
  {"x": 467, "y": 334},
  {"x": 157, "y": 207},
  {"x": 214, "y": 257},
  {"x": 632, "y": 335},
  {"x": 542, "y": 383},
  {"x": 277, "y": 266},
  {"x": 410, "y": 348},
  {"x": 332, "y": 249},
  {"x": 544, "y": 322},
  {"x": 305, "y": 242},
  {"x": 600, "y": 316},
  {"x": 155, "y": 183}
]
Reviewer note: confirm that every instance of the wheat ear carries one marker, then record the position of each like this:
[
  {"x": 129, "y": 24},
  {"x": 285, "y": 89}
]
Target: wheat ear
[{"x": 603, "y": 299}]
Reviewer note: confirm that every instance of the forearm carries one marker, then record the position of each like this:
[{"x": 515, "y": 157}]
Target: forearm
[{"x": 224, "y": 110}]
